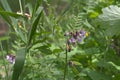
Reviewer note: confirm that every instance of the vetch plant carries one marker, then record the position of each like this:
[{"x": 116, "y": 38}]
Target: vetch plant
[{"x": 74, "y": 37}]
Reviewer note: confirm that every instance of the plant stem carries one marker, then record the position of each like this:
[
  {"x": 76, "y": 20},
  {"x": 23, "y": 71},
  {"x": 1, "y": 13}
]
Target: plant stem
[
  {"x": 21, "y": 6},
  {"x": 4, "y": 60},
  {"x": 66, "y": 64}
]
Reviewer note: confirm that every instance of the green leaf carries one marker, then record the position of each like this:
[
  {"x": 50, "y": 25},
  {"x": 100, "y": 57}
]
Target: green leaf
[
  {"x": 76, "y": 63},
  {"x": 6, "y": 5},
  {"x": 57, "y": 50},
  {"x": 4, "y": 38},
  {"x": 19, "y": 63},
  {"x": 45, "y": 49},
  {"x": 114, "y": 65},
  {"x": 22, "y": 36},
  {"x": 30, "y": 7},
  {"x": 6, "y": 18},
  {"x": 35, "y": 23},
  {"x": 9, "y": 17},
  {"x": 110, "y": 20},
  {"x": 94, "y": 75},
  {"x": 111, "y": 66},
  {"x": 38, "y": 3},
  {"x": 11, "y": 14},
  {"x": 94, "y": 14}
]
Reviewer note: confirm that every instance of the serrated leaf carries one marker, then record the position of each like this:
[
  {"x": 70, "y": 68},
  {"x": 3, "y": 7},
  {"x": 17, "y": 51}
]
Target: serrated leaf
[{"x": 110, "y": 20}]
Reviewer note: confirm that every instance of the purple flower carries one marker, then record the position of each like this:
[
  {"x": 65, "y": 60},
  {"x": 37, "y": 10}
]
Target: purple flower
[
  {"x": 11, "y": 58},
  {"x": 82, "y": 33},
  {"x": 72, "y": 40},
  {"x": 79, "y": 39},
  {"x": 76, "y": 36}
]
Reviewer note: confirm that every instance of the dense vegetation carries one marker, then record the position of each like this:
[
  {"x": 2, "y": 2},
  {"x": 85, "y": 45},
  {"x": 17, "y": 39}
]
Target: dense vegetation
[{"x": 60, "y": 40}]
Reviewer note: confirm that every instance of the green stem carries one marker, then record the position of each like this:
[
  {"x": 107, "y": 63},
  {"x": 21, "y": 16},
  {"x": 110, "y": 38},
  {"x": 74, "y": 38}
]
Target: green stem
[
  {"x": 66, "y": 64},
  {"x": 4, "y": 60},
  {"x": 21, "y": 6}
]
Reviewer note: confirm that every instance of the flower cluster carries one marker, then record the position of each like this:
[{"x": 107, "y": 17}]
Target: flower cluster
[
  {"x": 11, "y": 58},
  {"x": 74, "y": 37},
  {"x": 77, "y": 36}
]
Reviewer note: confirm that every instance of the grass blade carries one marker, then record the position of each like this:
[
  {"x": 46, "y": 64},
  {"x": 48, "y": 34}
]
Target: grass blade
[
  {"x": 5, "y": 5},
  {"x": 12, "y": 14},
  {"x": 19, "y": 63},
  {"x": 35, "y": 23}
]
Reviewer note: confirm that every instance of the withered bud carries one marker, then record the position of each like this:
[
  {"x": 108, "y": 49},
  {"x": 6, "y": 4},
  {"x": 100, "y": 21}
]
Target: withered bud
[
  {"x": 68, "y": 47},
  {"x": 27, "y": 15}
]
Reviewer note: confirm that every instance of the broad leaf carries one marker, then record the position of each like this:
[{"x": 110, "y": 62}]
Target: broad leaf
[
  {"x": 110, "y": 20},
  {"x": 94, "y": 75},
  {"x": 19, "y": 63}
]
